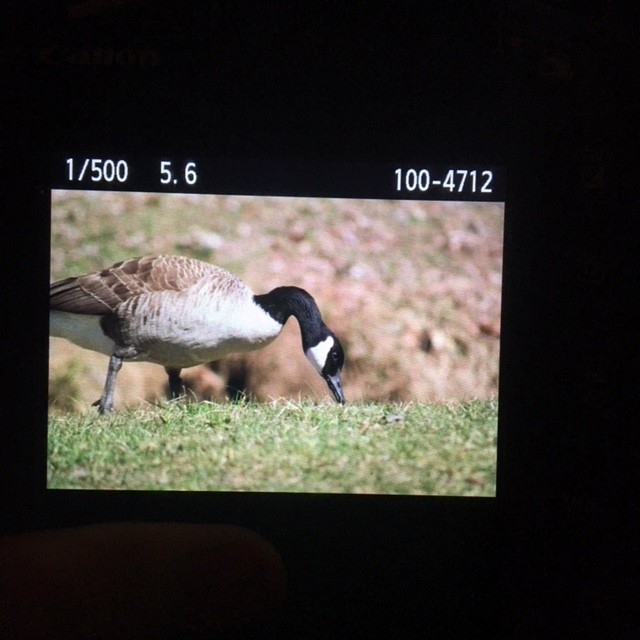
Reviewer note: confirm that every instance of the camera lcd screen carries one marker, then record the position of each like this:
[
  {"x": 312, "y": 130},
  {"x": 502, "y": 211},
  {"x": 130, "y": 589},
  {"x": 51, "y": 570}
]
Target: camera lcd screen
[{"x": 346, "y": 340}]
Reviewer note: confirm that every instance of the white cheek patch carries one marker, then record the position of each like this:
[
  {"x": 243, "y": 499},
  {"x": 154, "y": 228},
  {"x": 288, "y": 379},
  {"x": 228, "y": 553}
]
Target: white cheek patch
[{"x": 317, "y": 355}]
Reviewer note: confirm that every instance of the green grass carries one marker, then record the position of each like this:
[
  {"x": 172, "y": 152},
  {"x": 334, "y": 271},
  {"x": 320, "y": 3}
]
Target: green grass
[{"x": 436, "y": 449}]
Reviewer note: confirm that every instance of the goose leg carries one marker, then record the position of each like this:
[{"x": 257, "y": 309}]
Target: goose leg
[
  {"x": 175, "y": 383},
  {"x": 105, "y": 404}
]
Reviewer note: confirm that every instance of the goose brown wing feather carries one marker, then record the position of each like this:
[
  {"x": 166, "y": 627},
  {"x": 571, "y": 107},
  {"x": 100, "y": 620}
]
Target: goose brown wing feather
[
  {"x": 103, "y": 291},
  {"x": 70, "y": 295}
]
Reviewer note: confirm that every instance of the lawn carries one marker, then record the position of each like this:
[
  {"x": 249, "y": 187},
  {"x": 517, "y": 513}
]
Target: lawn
[{"x": 402, "y": 448}]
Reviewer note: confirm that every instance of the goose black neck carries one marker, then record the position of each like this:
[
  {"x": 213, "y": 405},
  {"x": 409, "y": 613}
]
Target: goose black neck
[{"x": 283, "y": 302}]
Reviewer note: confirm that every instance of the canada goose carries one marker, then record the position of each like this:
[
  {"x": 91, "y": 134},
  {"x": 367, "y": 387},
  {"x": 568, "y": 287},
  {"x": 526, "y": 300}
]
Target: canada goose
[{"x": 180, "y": 312}]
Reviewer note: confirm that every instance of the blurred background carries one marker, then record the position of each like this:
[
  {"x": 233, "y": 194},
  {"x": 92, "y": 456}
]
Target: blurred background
[{"x": 412, "y": 289}]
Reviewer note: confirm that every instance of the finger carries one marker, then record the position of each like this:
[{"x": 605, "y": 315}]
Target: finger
[{"x": 137, "y": 581}]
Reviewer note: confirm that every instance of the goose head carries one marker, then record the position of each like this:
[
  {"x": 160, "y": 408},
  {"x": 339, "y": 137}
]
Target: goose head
[
  {"x": 320, "y": 345},
  {"x": 327, "y": 358}
]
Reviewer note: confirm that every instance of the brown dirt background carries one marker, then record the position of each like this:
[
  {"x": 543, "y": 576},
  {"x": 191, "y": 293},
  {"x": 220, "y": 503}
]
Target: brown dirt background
[{"x": 412, "y": 289}]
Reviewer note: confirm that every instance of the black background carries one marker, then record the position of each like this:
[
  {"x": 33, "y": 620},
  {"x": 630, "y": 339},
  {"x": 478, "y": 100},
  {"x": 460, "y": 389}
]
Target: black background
[{"x": 547, "y": 90}]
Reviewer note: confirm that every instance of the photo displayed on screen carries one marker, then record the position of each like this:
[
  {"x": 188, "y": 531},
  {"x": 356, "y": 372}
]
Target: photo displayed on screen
[{"x": 274, "y": 343}]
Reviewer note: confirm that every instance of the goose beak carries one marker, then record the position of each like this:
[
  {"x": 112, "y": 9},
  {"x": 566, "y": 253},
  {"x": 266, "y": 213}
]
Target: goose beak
[{"x": 333, "y": 382}]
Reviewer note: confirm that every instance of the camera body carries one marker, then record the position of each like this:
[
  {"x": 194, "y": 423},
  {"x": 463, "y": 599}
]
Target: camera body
[{"x": 427, "y": 196}]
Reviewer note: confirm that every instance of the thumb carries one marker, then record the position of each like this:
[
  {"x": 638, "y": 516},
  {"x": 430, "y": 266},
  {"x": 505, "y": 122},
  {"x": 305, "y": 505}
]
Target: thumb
[{"x": 123, "y": 580}]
